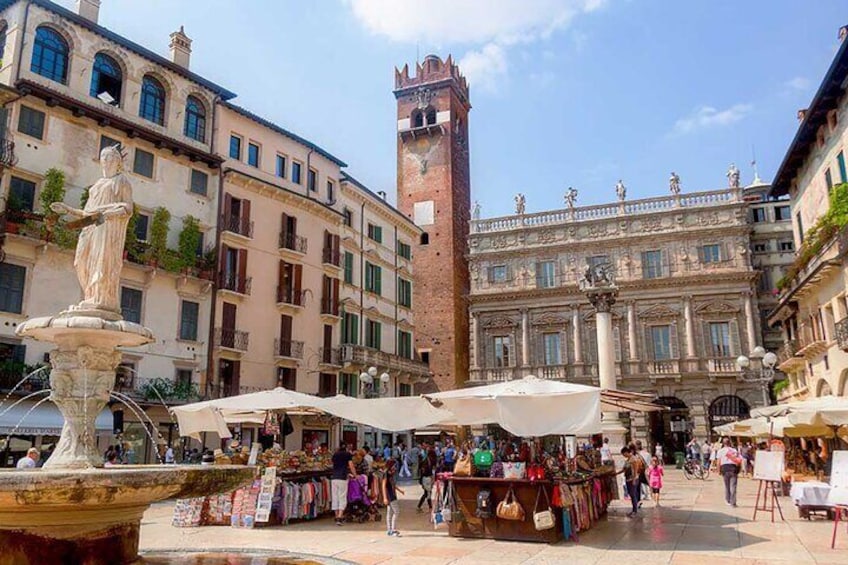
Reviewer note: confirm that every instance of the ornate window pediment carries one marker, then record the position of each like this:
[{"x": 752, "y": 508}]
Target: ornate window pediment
[
  {"x": 659, "y": 312},
  {"x": 499, "y": 322},
  {"x": 549, "y": 319},
  {"x": 716, "y": 309}
]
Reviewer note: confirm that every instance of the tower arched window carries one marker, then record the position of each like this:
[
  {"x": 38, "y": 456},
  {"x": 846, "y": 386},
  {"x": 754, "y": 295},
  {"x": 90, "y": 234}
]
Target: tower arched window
[
  {"x": 50, "y": 55},
  {"x": 431, "y": 116},
  {"x": 417, "y": 118},
  {"x": 106, "y": 77},
  {"x": 152, "y": 106},
  {"x": 3, "y": 29},
  {"x": 195, "y": 119}
]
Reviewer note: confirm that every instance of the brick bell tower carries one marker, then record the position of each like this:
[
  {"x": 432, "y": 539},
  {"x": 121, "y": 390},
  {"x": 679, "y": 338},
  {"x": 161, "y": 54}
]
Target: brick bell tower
[{"x": 434, "y": 190}]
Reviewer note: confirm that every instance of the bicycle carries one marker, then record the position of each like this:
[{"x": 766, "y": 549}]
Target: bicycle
[{"x": 693, "y": 468}]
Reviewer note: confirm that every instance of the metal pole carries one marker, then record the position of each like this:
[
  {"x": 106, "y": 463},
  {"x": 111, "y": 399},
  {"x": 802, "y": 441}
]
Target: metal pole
[{"x": 766, "y": 399}]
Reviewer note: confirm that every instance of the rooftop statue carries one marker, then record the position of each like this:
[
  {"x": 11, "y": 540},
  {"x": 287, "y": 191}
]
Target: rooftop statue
[
  {"x": 520, "y": 203},
  {"x": 674, "y": 183},
  {"x": 571, "y": 197},
  {"x": 733, "y": 176},
  {"x": 620, "y": 190}
]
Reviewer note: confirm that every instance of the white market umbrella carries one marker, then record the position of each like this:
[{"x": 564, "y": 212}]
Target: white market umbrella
[
  {"x": 528, "y": 407},
  {"x": 822, "y": 411},
  {"x": 395, "y": 414}
]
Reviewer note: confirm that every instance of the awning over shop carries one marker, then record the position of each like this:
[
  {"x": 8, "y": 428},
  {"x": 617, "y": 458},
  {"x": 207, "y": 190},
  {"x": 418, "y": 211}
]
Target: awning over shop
[
  {"x": 43, "y": 420},
  {"x": 822, "y": 411}
]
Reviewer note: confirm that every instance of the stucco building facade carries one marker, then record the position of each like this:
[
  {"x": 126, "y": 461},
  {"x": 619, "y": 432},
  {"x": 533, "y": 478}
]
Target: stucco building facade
[
  {"x": 812, "y": 310},
  {"x": 687, "y": 305}
]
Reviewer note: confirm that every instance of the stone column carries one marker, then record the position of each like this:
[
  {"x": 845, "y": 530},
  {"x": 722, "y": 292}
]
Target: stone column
[
  {"x": 631, "y": 331},
  {"x": 689, "y": 320},
  {"x": 575, "y": 321},
  {"x": 602, "y": 298},
  {"x": 475, "y": 341},
  {"x": 750, "y": 320},
  {"x": 525, "y": 338}
]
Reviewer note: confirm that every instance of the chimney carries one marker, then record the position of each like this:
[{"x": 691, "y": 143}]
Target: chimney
[
  {"x": 843, "y": 33},
  {"x": 89, "y": 9},
  {"x": 802, "y": 113},
  {"x": 382, "y": 194},
  {"x": 180, "y": 48}
]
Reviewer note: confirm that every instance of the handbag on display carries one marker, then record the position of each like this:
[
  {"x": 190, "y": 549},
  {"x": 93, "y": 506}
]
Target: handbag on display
[
  {"x": 484, "y": 504},
  {"x": 544, "y": 519},
  {"x": 496, "y": 472},
  {"x": 514, "y": 471},
  {"x": 509, "y": 508},
  {"x": 536, "y": 473},
  {"x": 463, "y": 467},
  {"x": 447, "y": 512}
]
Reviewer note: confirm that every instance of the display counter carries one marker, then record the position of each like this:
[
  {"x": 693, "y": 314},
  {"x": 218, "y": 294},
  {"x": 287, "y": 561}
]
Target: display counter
[
  {"x": 585, "y": 502},
  {"x": 466, "y": 525}
]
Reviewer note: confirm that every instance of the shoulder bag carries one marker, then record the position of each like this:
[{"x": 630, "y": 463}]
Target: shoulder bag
[
  {"x": 509, "y": 508},
  {"x": 514, "y": 470},
  {"x": 463, "y": 467},
  {"x": 543, "y": 520}
]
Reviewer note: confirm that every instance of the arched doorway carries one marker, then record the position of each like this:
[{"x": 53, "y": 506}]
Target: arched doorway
[
  {"x": 728, "y": 408},
  {"x": 670, "y": 428}
]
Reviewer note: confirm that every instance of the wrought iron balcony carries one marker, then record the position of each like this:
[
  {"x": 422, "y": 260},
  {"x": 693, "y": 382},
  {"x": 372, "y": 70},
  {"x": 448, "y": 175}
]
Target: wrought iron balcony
[
  {"x": 287, "y": 295},
  {"x": 332, "y": 257},
  {"x": 231, "y": 338},
  {"x": 238, "y": 225},
  {"x": 331, "y": 356},
  {"x": 234, "y": 283},
  {"x": 293, "y": 242},
  {"x": 842, "y": 334},
  {"x": 288, "y": 348},
  {"x": 156, "y": 390},
  {"x": 12, "y": 373}
]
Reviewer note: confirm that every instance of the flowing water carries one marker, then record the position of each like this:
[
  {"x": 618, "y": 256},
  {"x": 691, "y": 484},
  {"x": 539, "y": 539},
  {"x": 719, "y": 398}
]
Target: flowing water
[
  {"x": 143, "y": 418},
  {"x": 21, "y": 382},
  {"x": 27, "y": 397},
  {"x": 24, "y": 417}
]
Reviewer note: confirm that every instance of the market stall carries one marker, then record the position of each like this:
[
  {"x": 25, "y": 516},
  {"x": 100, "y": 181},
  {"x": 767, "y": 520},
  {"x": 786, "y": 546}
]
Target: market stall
[{"x": 571, "y": 483}]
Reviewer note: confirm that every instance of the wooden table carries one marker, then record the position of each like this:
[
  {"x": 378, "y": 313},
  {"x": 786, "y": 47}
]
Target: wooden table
[{"x": 470, "y": 526}]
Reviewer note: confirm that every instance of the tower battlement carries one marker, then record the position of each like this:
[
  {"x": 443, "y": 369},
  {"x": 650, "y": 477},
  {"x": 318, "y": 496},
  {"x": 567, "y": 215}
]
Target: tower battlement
[{"x": 429, "y": 71}]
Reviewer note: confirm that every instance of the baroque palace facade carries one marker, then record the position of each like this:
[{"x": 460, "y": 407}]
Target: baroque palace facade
[{"x": 687, "y": 305}]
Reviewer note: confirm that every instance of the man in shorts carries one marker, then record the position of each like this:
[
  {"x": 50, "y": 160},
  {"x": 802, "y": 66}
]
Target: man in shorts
[{"x": 342, "y": 470}]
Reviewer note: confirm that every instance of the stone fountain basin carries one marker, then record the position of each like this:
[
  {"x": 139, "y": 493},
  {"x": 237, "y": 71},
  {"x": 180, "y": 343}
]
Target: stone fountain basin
[{"x": 122, "y": 485}]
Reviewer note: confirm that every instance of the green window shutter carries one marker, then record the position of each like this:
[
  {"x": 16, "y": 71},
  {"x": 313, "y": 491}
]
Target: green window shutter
[
  {"x": 354, "y": 329},
  {"x": 377, "y": 337},
  {"x": 735, "y": 347},
  {"x": 378, "y": 232},
  {"x": 368, "y": 276},
  {"x": 378, "y": 280}
]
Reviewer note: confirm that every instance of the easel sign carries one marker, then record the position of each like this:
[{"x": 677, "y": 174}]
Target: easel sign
[
  {"x": 768, "y": 466},
  {"x": 838, "y": 479}
]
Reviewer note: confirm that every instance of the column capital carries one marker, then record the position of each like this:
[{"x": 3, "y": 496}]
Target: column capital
[
  {"x": 686, "y": 297},
  {"x": 602, "y": 301}
]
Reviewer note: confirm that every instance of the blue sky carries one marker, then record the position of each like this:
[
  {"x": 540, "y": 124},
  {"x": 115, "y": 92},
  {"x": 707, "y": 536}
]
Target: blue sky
[{"x": 564, "y": 92}]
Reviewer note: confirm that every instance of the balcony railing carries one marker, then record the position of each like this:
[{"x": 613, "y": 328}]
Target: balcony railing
[
  {"x": 288, "y": 348},
  {"x": 842, "y": 334},
  {"x": 329, "y": 307},
  {"x": 238, "y": 225},
  {"x": 552, "y": 372},
  {"x": 722, "y": 365},
  {"x": 11, "y": 376},
  {"x": 232, "y": 339},
  {"x": 332, "y": 257},
  {"x": 156, "y": 390},
  {"x": 287, "y": 295},
  {"x": 293, "y": 242},
  {"x": 663, "y": 367},
  {"x": 234, "y": 283},
  {"x": 331, "y": 356},
  {"x": 787, "y": 351},
  {"x": 361, "y": 356}
]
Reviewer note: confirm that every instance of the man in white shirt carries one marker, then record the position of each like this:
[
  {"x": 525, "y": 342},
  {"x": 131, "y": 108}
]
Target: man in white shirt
[
  {"x": 728, "y": 464},
  {"x": 29, "y": 460},
  {"x": 169, "y": 456},
  {"x": 606, "y": 453}
]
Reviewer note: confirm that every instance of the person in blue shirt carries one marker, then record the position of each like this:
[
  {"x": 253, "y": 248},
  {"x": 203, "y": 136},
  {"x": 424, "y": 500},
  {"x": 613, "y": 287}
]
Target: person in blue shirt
[{"x": 450, "y": 457}]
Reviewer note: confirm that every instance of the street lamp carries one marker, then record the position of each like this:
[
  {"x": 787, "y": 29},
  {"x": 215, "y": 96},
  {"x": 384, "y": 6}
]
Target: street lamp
[
  {"x": 758, "y": 368},
  {"x": 371, "y": 385}
]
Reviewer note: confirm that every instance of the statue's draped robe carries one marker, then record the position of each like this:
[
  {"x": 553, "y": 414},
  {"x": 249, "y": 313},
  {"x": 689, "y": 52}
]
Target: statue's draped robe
[{"x": 100, "y": 251}]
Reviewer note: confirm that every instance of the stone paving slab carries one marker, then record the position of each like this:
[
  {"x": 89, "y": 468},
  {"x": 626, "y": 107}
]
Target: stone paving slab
[{"x": 693, "y": 526}]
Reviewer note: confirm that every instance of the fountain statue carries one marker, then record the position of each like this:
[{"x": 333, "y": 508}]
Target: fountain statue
[{"x": 72, "y": 510}]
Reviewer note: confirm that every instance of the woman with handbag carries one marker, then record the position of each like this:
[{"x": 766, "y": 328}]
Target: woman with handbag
[
  {"x": 390, "y": 490},
  {"x": 729, "y": 461},
  {"x": 634, "y": 468}
]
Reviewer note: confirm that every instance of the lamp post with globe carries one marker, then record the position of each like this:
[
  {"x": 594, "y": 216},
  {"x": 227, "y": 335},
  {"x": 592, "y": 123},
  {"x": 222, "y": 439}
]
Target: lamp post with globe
[
  {"x": 758, "y": 368},
  {"x": 373, "y": 386}
]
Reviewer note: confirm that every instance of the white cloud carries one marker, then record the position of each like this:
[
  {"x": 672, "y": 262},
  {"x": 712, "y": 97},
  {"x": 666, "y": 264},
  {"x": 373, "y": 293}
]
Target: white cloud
[
  {"x": 799, "y": 83},
  {"x": 485, "y": 67},
  {"x": 489, "y": 27},
  {"x": 468, "y": 21},
  {"x": 707, "y": 117}
]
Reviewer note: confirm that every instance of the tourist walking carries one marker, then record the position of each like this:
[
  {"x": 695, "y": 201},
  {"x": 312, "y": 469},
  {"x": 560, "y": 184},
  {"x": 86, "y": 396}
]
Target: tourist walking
[
  {"x": 390, "y": 490},
  {"x": 450, "y": 457},
  {"x": 29, "y": 460},
  {"x": 343, "y": 469},
  {"x": 729, "y": 462},
  {"x": 427, "y": 470},
  {"x": 646, "y": 459},
  {"x": 744, "y": 451},
  {"x": 415, "y": 455},
  {"x": 655, "y": 478},
  {"x": 633, "y": 469},
  {"x": 405, "y": 472},
  {"x": 706, "y": 452}
]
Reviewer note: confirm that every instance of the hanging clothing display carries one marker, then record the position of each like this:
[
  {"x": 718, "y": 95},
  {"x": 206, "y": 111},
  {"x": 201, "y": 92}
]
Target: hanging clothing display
[{"x": 301, "y": 500}]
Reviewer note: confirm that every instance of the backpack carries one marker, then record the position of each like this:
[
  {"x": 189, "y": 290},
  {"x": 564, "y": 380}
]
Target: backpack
[{"x": 485, "y": 504}]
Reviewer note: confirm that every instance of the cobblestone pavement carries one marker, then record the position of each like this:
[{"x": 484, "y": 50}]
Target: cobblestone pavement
[{"x": 693, "y": 526}]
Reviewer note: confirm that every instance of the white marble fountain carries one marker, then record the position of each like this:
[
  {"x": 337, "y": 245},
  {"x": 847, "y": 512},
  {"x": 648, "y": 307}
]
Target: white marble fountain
[{"x": 73, "y": 510}]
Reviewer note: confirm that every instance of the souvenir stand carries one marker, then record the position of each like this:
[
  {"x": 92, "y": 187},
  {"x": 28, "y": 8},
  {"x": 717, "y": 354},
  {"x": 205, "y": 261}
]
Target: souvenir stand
[{"x": 574, "y": 486}]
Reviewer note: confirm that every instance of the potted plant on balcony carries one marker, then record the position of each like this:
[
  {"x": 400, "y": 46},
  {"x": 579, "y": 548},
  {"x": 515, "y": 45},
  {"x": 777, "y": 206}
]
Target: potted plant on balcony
[
  {"x": 190, "y": 239},
  {"x": 207, "y": 263},
  {"x": 158, "y": 236}
]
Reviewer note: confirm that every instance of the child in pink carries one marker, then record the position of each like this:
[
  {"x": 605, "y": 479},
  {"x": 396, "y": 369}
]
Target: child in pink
[{"x": 655, "y": 479}]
